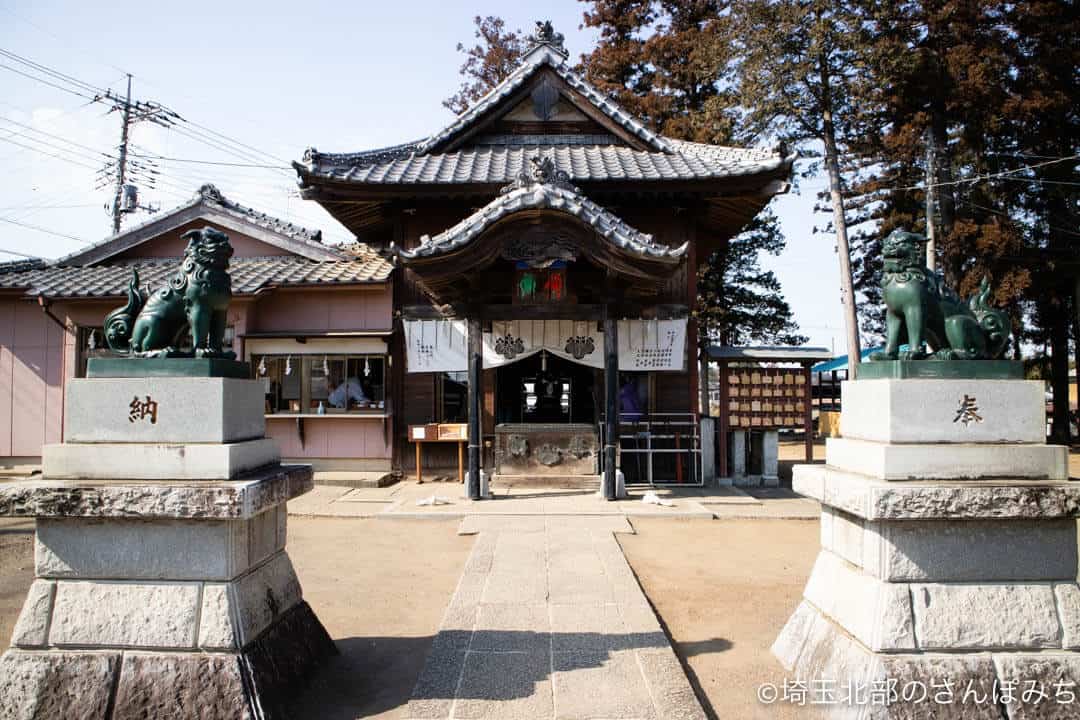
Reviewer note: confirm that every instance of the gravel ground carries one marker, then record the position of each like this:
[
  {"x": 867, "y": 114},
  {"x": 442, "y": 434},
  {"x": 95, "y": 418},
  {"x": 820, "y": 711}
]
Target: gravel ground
[{"x": 724, "y": 589}]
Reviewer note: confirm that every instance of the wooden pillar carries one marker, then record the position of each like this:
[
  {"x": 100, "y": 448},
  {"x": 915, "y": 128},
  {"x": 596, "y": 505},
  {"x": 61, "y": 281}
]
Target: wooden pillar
[
  {"x": 703, "y": 371},
  {"x": 722, "y": 430},
  {"x": 475, "y": 363},
  {"x": 611, "y": 402},
  {"x": 808, "y": 417}
]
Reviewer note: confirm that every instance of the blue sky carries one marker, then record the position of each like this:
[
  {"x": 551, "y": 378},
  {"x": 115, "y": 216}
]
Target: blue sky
[{"x": 277, "y": 77}]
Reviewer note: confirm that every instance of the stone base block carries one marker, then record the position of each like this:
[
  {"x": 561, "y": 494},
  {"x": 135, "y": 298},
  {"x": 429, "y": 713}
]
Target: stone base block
[
  {"x": 944, "y": 616},
  {"x": 156, "y": 461},
  {"x": 874, "y": 499},
  {"x": 926, "y": 461},
  {"x": 239, "y": 498},
  {"x": 932, "y": 411},
  {"x": 254, "y": 683},
  {"x": 184, "y": 410},
  {"x": 157, "y": 615},
  {"x": 108, "y": 548},
  {"x": 851, "y": 681},
  {"x": 961, "y": 551}
]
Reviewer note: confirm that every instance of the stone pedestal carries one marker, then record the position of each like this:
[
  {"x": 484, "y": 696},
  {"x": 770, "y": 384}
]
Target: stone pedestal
[
  {"x": 162, "y": 587},
  {"x": 949, "y": 556}
]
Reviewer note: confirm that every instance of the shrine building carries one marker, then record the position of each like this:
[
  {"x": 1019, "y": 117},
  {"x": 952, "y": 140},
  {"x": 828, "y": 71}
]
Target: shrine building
[{"x": 546, "y": 246}]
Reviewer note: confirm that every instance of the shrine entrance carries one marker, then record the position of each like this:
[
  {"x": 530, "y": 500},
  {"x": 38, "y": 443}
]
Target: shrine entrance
[
  {"x": 556, "y": 295},
  {"x": 546, "y": 389}
]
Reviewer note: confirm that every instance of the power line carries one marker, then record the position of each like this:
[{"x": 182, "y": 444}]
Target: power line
[
  {"x": 991, "y": 176},
  {"x": 19, "y": 254},
  {"x": 216, "y": 162},
  {"x": 44, "y": 230},
  {"x": 32, "y": 129},
  {"x": 58, "y": 156},
  {"x": 62, "y": 77},
  {"x": 46, "y": 82}
]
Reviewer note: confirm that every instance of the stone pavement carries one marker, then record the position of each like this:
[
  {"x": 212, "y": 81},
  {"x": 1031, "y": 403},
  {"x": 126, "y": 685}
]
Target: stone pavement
[
  {"x": 401, "y": 501},
  {"x": 548, "y": 621}
]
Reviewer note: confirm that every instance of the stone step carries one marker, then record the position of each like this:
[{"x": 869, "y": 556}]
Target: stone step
[
  {"x": 961, "y": 461},
  {"x": 156, "y": 461},
  {"x": 577, "y": 482}
]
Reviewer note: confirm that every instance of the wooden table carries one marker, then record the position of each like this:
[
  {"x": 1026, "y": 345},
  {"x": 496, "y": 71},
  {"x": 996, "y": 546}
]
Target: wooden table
[{"x": 439, "y": 432}]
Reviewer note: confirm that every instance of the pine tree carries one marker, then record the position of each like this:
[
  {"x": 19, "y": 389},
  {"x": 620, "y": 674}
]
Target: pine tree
[
  {"x": 669, "y": 64},
  {"x": 740, "y": 303},
  {"x": 797, "y": 80},
  {"x": 1041, "y": 108}
]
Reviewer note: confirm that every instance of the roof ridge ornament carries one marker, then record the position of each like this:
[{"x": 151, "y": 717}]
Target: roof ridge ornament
[
  {"x": 209, "y": 191},
  {"x": 545, "y": 34},
  {"x": 543, "y": 172}
]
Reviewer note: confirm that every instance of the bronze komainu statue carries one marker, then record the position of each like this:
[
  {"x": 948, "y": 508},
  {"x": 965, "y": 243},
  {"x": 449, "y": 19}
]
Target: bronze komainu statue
[
  {"x": 196, "y": 299},
  {"x": 920, "y": 308}
]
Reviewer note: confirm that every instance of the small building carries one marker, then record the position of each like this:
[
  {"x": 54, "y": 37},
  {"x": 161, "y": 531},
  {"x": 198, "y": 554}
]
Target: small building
[
  {"x": 548, "y": 245},
  {"x": 314, "y": 320}
]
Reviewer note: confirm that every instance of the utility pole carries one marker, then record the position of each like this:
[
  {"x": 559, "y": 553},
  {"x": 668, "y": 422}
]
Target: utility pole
[
  {"x": 132, "y": 112},
  {"x": 931, "y": 181},
  {"x": 121, "y": 167}
]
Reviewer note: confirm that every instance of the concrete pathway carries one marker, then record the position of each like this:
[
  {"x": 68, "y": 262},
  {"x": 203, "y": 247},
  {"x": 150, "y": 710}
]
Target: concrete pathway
[{"x": 547, "y": 622}]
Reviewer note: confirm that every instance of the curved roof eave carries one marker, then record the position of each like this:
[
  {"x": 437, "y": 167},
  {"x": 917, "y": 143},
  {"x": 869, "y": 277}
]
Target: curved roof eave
[{"x": 553, "y": 197}]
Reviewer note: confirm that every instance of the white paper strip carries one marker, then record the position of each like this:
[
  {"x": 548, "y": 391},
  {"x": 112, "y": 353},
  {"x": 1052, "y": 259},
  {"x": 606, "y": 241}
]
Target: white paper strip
[
  {"x": 652, "y": 345},
  {"x": 435, "y": 346}
]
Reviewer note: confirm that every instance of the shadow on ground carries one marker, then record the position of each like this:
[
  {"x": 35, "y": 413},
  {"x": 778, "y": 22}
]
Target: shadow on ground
[{"x": 494, "y": 665}]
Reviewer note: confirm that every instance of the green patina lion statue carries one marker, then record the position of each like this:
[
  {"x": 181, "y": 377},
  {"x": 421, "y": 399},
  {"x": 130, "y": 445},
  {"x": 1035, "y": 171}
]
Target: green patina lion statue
[
  {"x": 196, "y": 299},
  {"x": 920, "y": 308}
]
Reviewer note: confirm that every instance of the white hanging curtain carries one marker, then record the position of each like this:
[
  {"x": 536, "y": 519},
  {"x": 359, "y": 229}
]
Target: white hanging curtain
[
  {"x": 436, "y": 346},
  {"x": 442, "y": 345},
  {"x": 652, "y": 345},
  {"x": 573, "y": 340}
]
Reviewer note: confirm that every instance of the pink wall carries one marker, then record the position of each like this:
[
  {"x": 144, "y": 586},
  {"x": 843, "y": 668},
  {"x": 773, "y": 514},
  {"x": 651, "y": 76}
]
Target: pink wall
[
  {"x": 31, "y": 378},
  {"x": 171, "y": 245},
  {"x": 326, "y": 437},
  {"x": 37, "y": 355},
  {"x": 323, "y": 311}
]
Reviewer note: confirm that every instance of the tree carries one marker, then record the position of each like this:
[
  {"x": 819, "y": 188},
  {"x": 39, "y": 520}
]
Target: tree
[
  {"x": 487, "y": 63},
  {"x": 1044, "y": 123},
  {"x": 668, "y": 63},
  {"x": 797, "y": 79},
  {"x": 738, "y": 302}
]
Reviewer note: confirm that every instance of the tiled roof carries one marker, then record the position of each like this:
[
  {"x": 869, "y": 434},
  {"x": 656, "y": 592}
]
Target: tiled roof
[
  {"x": 293, "y": 237},
  {"x": 497, "y": 159},
  {"x": 539, "y": 56},
  {"x": 544, "y": 196},
  {"x": 248, "y": 274},
  {"x": 499, "y": 164}
]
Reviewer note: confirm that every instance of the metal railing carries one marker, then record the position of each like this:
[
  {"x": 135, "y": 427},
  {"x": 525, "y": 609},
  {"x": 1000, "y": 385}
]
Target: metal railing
[{"x": 658, "y": 449}]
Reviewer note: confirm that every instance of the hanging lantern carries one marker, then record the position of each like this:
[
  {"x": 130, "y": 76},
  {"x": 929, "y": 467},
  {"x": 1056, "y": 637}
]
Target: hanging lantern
[
  {"x": 262, "y": 366},
  {"x": 367, "y": 368},
  {"x": 91, "y": 341},
  {"x": 288, "y": 365},
  {"x": 325, "y": 366}
]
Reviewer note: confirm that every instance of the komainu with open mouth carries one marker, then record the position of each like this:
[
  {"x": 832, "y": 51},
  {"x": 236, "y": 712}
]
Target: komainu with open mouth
[
  {"x": 195, "y": 300},
  {"x": 922, "y": 311}
]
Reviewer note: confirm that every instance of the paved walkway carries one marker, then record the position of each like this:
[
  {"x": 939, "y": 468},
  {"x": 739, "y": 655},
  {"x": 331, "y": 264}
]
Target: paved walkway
[
  {"x": 547, "y": 622},
  {"x": 408, "y": 499}
]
